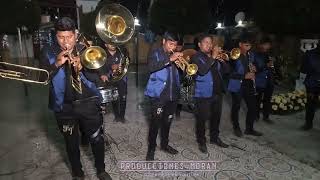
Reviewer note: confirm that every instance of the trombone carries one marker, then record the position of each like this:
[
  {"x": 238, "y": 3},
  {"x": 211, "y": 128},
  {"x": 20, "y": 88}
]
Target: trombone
[
  {"x": 24, "y": 73},
  {"x": 92, "y": 57}
]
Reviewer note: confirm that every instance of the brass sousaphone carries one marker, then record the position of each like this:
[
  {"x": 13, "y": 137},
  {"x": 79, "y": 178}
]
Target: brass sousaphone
[{"x": 115, "y": 25}]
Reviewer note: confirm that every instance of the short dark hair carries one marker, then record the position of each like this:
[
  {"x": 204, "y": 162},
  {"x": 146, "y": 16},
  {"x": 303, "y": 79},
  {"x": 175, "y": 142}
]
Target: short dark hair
[
  {"x": 245, "y": 38},
  {"x": 203, "y": 36},
  {"x": 265, "y": 40},
  {"x": 180, "y": 41},
  {"x": 171, "y": 36},
  {"x": 65, "y": 24}
]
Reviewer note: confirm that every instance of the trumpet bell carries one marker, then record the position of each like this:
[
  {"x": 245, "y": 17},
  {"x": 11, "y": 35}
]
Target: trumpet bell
[
  {"x": 235, "y": 53},
  {"x": 114, "y": 23},
  {"x": 93, "y": 57},
  {"x": 192, "y": 69}
]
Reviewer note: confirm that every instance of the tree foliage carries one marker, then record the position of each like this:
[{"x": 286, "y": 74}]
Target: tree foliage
[
  {"x": 294, "y": 17},
  {"x": 18, "y": 13},
  {"x": 183, "y": 16}
]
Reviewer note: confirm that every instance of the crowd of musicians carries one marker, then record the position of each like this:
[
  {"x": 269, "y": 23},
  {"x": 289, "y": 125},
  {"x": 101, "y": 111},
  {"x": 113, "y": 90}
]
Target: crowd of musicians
[{"x": 250, "y": 77}]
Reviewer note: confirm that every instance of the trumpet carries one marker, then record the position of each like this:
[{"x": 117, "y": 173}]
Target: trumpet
[
  {"x": 184, "y": 65},
  {"x": 234, "y": 54}
]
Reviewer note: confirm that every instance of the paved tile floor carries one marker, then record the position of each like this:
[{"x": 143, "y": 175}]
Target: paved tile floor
[{"x": 33, "y": 149}]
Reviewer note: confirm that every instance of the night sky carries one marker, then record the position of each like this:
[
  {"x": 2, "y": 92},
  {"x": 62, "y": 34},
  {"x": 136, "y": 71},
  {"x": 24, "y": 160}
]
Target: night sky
[{"x": 224, "y": 10}]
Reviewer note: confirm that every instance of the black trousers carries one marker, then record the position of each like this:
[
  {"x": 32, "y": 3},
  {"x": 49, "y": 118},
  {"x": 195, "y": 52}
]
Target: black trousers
[
  {"x": 312, "y": 100},
  {"x": 87, "y": 116},
  {"x": 161, "y": 117},
  {"x": 264, "y": 96},
  {"x": 208, "y": 109},
  {"x": 119, "y": 106},
  {"x": 250, "y": 100}
]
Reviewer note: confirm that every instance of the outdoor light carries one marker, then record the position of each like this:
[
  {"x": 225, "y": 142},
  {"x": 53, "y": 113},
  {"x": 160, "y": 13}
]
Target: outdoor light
[
  {"x": 240, "y": 24},
  {"x": 219, "y": 26},
  {"x": 136, "y": 22}
]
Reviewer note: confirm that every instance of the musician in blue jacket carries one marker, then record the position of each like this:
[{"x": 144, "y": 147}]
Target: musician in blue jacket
[
  {"x": 208, "y": 91},
  {"x": 163, "y": 89},
  {"x": 241, "y": 85},
  {"x": 311, "y": 70},
  {"x": 264, "y": 78},
  {"x": 74, "y": 106}
]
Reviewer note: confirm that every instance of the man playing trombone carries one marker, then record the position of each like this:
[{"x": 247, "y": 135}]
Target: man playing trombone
[
  {"x": 163, "y": 90},
  {"x": 74, "y": 98}
]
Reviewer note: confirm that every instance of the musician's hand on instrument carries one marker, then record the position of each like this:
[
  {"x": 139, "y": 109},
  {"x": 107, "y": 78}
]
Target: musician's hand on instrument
[
  {"x": 175, "y": 56},
  {"x": 114, "y": 67},
  {"x": 250, "y": 75},
  {"x": 61, "y": 58},
  {"x": 104, "y": 78},
  {"x": 75, "y": 61},
  {"x": 253, "y": 68}
]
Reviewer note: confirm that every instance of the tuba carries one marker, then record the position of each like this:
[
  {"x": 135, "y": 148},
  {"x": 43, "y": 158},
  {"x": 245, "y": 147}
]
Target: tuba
[{"x": 115, "y": 24}]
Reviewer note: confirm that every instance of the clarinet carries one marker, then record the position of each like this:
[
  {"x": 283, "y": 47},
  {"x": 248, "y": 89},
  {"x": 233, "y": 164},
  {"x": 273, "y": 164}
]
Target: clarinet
[{"x": 250, "y": 66}]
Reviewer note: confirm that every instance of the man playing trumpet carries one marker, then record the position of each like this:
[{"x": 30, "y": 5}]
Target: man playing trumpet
[
  {"x": 163, "y": 90},
  {"x": 208, "y": 91}
]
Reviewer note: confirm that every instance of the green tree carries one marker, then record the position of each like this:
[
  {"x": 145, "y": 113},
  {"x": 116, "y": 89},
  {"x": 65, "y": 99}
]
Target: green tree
[
  {"x": 293, "y": 17},
  {"x": 183, "y": 16}
]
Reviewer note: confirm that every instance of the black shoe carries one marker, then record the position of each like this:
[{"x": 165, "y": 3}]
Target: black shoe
[
  {"x": 219, "y": 142},
  {"x": 238, "y": 132},
  {"x": 78, "y": 176},
  {"x": 306, "y": 127},
  {"x": 253, "y": 133},
  {"x": 150, "y": 156},
  {"x": 104, "y": 176},
  {"x": 117, "y": 119},
  {"x": 123, "y": 120},
  {"x": 169, "y": 150},
  {"x": 203, "y": 148},
  {"x": 267, "y": 120}
]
